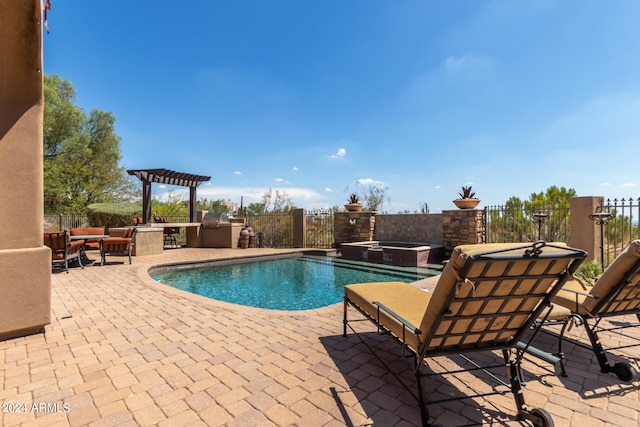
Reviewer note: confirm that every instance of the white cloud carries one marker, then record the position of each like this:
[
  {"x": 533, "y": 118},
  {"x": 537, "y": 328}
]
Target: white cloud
[
  {"x": 162, "y": 186},
  {"x": 237, "y": 173},
  {"x": 369, "y": 181},
  {"x": 328, "y": 190},
  {"x": 281, "y": 180},
  {"x": 340, "y": 154},
  {"x": 605, "y": 184},
  {"x": 470, "y": 63},
  {"x": 295, "y": 168},
  {"x": 629, "y": 184},
  {"x": 301, "y": 197}
]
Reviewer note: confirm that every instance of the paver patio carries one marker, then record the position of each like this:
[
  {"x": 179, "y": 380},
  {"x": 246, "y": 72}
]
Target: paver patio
[{"x": 123, "y": 349}]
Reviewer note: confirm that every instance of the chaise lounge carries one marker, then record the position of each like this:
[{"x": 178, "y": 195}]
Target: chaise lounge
[
  {"x": 486, "y": 299},
  {"x": 615, "y": 293}
]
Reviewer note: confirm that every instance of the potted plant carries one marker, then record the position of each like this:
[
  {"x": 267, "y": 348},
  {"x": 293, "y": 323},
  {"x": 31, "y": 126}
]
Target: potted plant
[
  {"x": 354, "y": 204},
  {"x": 467, "y": 199}
]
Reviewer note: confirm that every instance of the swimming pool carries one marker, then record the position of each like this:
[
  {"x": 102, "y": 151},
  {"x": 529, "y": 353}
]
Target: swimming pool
[{"x": 293, "y": 283}]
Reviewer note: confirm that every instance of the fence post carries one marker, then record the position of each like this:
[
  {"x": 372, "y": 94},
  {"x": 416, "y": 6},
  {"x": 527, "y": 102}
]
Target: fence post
[
  {"x": 353, "y": 227},
  {"x": 584, "y": 233},
  {"x": 299, "y": 228},
  {"x": 462, "y": 227}
]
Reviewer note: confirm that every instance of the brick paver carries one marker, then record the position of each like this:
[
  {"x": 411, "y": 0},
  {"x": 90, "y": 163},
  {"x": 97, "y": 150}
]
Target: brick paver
[{"x": 123, "y": 349}]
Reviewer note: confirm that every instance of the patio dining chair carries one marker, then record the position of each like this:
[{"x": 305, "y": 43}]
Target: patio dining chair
[
  {"x": 487, "y": 298},
  {"x": 169, "y": 233},
  {"x": 615, "y": 293},
  {"x": 62, "y": 249},
  {"x": 118, "y": 245}
]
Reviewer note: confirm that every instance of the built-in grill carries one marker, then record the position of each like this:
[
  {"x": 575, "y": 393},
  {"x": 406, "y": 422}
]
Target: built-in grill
[
  {"x": 219, "y": 231},
  {"x": 214, "y": 219}
]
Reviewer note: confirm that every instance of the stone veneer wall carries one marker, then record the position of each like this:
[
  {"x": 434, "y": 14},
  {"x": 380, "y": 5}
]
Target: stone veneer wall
[
  {"x": 353, "y": 227},
  {"x": 461, "y": 227},
  {"x": 426, "y": 228}
]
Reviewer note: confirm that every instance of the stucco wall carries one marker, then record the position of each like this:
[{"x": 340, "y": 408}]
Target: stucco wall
[{"x": 25, "y": 264}]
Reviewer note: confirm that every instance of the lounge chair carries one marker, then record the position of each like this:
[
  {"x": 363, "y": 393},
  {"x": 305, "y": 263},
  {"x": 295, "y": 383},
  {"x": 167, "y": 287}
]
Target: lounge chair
[
  {"x": 118, "y": 245},
  {"x": 615, "y": 293},
  {"x": 487, "y": 298},
  {"x": 62, "y": 249}
]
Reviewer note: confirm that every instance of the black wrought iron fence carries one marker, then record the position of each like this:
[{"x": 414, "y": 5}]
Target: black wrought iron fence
[
  {"x": 319, "y": 229},
  {"x": 273, "y": 229},
  {"x": 60, "y": 222},
  {"x": 620, "y": 228},
  {"x": 527, "y": 223}
]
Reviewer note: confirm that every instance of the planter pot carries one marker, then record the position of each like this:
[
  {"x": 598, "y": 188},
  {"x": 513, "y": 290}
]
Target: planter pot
[
  {"x": 353, "y": 207},
  {"x": 466, "y": 203}
]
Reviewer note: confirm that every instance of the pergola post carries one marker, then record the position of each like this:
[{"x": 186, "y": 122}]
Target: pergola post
[
  {"x": 146, "y": 201},
  {"x": 193, "y": 205}
]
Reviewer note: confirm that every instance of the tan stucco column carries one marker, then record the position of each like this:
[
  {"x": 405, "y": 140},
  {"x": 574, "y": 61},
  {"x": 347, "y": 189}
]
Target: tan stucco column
[
  {"x": 25, "y": 266},
  {"x": 585, "y": 234}
]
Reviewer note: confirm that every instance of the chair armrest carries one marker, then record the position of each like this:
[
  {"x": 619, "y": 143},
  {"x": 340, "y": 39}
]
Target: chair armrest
[
  {"x": 397, "y": 317},
  {"x": 580, "y": 293},
  {"x": 577, "y": 294}
]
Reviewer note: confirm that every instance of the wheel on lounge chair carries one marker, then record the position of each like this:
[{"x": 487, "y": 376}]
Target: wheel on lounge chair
[
  {"x": 624, "y": 371},
  {"x": 541, "y": 418}
]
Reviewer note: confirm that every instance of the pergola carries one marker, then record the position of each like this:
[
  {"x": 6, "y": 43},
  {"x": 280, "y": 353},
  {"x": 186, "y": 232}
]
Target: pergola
[{"x": 169, "y": 177}]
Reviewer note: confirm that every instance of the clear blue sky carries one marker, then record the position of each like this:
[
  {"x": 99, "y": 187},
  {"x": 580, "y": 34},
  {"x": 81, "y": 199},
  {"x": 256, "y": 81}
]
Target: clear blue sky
[{"x": 421, "y": 97}]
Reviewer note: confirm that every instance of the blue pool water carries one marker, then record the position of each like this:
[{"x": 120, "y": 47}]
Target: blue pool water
[{"x": 297, "y": 283}]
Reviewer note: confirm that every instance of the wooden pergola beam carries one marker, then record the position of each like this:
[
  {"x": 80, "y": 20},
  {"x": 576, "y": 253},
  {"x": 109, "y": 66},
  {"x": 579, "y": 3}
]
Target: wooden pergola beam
[{"x": 169, "y": 177}]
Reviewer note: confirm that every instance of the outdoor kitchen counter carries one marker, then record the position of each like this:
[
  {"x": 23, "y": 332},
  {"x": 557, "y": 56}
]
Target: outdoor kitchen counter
[{"x": 193, "y": 230}]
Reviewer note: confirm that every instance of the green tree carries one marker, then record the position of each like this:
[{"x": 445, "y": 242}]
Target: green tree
[
  {"x": 520, "y": 221},
  {"x": 218, "y": 206},
  {"x": 172, "y": 207},
  {"x": 374, "y": 196},
  {"x": 81, "y": 154}
]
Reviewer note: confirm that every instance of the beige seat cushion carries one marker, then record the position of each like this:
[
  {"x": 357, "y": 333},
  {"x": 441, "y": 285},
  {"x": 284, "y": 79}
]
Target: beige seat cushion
[
  {"x": 605, "y": 284},
  {"x": 509, "y": 306},
  {"x": 499, "y": 317},
  {"x": 404, "y": 299}
]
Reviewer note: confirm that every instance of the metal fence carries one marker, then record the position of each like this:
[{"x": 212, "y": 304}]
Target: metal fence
[
  {"x": 527, "y": 223},
  {"x": 61, "y": 222},
  {"x": 319, "y": 229},
  {"x": 273, "y": 229},
  {"x": 620, "y": 228}
]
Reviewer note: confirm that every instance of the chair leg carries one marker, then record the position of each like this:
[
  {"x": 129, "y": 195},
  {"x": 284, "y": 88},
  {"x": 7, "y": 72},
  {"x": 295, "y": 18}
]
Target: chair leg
[
  {"x": 424, "y": 411},
  {"x": 344, "y": 319}
]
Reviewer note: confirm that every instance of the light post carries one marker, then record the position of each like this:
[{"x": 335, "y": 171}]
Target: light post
[
  {"x": 540, "y": 218},
  {"x": 601, "y": 218}
]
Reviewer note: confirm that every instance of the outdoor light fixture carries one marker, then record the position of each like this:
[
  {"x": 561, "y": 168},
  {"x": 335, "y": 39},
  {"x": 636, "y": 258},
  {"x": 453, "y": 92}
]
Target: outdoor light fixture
[
  {"x": 540, "y": 217},
  {"x": 601, "y": 218}
]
